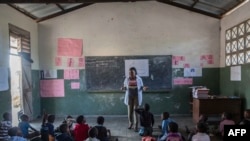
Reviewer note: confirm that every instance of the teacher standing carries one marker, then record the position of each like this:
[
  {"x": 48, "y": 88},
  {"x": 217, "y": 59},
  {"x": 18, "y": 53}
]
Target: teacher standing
[{"x": 133, "y": 86}]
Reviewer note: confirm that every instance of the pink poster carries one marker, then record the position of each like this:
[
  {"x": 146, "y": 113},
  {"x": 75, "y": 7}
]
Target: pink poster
[
  {"x": 186, "y": 65},
  {"x": 75, "y": 85},
  {"x": 70, "y": 62},
  {"x": 69, "y": 47},
  {"x": 183, "y": 81},
  {"x": 71, "y": 74},
  {"x": 177, "y": 59},
  {"x": 52, "y": 88},
  {"x": 58, "y": 61},
  {"x": 81, "y": 62}
]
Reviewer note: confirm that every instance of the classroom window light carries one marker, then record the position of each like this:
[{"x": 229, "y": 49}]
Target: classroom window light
[
  {"x": 248, "y": 41},
  {"x": 228, "y": 48},
  {"x": 228, "y": 60},
  {"x": 241, "y": 58},
  {"x": 241, "y": 29},
  {"x": 234, "y": 59},
  {"x": 234, "y": 32},
  {"x": 248, "y": 56},
  {"x": 241, "y": 44},
  {"x": 237, "y": 44},
  {"x": 248, "y": 26},
  {"x": 234, "y": 46},
  {"x": 228, "y": 35}
]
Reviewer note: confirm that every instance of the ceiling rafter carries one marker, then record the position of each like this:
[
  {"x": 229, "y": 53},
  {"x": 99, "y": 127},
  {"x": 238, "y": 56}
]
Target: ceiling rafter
[
  {"x": 63, "y": 12},
  {"x": 23, "y": 11},
  {"x": 59, "y": 6},
  {"x": 189, "y": 8}
]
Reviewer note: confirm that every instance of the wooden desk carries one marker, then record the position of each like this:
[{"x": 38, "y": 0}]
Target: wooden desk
[{"x": 217, "y": 106}]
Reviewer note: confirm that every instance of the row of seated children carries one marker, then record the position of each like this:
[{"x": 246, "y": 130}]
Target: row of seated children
[
  {"x": 169, "y": 127},
  {"x": 77, "y": 131}
]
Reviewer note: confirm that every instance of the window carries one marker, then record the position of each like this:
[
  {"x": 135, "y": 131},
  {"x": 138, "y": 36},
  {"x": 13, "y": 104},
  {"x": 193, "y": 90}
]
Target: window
[
  {"x": 19, "y": 40},
  {"x": 237, "y": 44}
]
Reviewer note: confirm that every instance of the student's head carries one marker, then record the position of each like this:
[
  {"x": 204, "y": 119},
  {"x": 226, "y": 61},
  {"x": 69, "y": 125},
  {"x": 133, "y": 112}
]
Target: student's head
[
  {"x": 7, "y": 116},
  {"x": 201, "y": 127},
  {"x": 132, "y": 72},
  {"x": 14, "y": 131},
  {"x": 100, "y": 120},
  {"x": 24, "y": 117},
  {"x": 164, "y": 115},
  {"x": 247, "y": 114},
  {"x": 51, "y": 118},
  {"x": 80, "y": 119},
  {"x": 64, "y": 128},
  {"x": 93, "y": 132},
  {"x": 203, "y": 118},
  {"x": 173, "y": 127},
  {"x": 146, "y": 107},
  {"x": 226, "y": 115}
]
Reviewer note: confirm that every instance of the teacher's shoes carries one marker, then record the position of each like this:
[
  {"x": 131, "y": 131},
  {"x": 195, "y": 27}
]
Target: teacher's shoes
[{"x": 130, "y": 126}]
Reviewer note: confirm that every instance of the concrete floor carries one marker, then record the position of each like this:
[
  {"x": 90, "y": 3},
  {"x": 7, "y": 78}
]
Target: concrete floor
[{"x": 118, "y": 126}]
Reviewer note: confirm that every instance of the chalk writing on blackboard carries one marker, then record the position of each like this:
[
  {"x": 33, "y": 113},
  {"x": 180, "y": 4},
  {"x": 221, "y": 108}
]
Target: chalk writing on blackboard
[{"x": 107, "y": 73}]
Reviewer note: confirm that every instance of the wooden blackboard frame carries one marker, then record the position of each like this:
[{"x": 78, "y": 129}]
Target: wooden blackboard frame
[{"x": 107, "y": 73}]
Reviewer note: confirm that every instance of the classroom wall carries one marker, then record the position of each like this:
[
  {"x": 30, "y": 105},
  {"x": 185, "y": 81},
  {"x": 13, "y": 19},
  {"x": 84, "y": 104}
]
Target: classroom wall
[
  {"x": 228, "y": 87},
  {"x": 9, "y": 15},
  {"x": 133, "y": 28}
]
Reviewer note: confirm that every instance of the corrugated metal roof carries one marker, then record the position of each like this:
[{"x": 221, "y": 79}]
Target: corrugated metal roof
[{"x": 44, "y": 11}]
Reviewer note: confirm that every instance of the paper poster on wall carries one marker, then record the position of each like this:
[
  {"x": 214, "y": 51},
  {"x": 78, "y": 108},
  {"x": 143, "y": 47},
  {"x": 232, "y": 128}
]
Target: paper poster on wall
[
  {"x": 183, "y": 81},
  {"x": 71, "y": 74},
  {"x": 70, "y": 62},
  {"x": 81, "y": 62},
  {"x": 141, "y": 66},
  {"x": 207, "y": 59},
  {"x": 52, "y": 88},
  {"x": 177, "y": 59},
  {"x": 192, "y": 72},
  {"x": 4, "y": 85},
  {"x": 69, "y": 47},
  {"x": 235, "y": 73},
  {"x": 58, "y": 61},
  {"x": 75, "y": 85},
  {"x": 48, "y": 74}
]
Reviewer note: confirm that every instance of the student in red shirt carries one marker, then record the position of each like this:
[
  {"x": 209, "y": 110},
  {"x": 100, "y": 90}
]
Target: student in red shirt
[{"x": 81, "y": 129}]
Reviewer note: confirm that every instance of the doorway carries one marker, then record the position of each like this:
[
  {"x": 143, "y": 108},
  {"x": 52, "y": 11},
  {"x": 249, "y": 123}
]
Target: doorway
[{"x": 15, "y": 80}]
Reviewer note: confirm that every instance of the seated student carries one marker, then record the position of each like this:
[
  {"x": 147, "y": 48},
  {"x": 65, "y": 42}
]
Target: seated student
[
  {"x": 246, "y": 120},
  {"x": 15, "y": 134},
  {"x": 50, "y": 125},
  {"x": 70, "y": 122},
  {"x": 202, "y": 119},
  {"x": 24, "y": 125},
  {"x": 226, "y": 120},
  {"x": 65, "y": 133},
  {"x": 201, "y": 134},
  {"x": 164, "y": 126},
  {"x": 103, "y": 133},
  {"x": 146, "y": 119},
  {"x": 93, "y": 132},
  {"x": 81, "y": 129},
  {"x": 5, "y": 125},
  {"x": 148, "y": 136},
  {"x": 173, "y": 134}
]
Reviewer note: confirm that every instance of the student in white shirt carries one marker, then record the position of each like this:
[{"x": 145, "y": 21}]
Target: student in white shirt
[{"x": 201, "y": 135}]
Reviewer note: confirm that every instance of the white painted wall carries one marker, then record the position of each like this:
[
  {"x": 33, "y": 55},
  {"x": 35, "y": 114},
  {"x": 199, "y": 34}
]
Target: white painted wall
[
  {"x": 238, "y": 16},
  {"x": 9, "y": 15},
  {"x": 133, "y": 28}
]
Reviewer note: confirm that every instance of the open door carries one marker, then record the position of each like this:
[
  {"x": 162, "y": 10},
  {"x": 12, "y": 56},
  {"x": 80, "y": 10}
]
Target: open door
[{"x": 20, "y": 68}]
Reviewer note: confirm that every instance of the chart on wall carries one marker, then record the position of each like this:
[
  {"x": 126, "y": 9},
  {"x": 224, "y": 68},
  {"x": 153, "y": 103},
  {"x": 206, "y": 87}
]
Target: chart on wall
[{"x": 107, "y": 73}]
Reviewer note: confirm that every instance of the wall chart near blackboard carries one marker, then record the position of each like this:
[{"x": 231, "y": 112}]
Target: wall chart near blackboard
[{"x": 107, "y": 73}]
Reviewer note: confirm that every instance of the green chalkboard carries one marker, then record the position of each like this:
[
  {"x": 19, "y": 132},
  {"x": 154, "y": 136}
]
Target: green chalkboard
[{"x": 107, "y": 73}]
